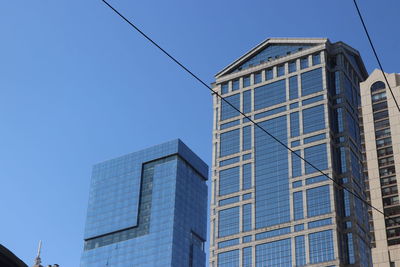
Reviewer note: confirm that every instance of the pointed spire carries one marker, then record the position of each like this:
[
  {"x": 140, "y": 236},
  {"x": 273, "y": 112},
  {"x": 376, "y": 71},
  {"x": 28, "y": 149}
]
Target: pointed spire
[{"x": 37, "y": 259}]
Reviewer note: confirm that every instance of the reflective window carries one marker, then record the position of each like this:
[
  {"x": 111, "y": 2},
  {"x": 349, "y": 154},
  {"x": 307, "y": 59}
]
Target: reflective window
[
  {"x": 293, "y": 88},
  {"x": 229, "y": 181},
  {"x": 229, "y": 259},
  {"x": 269, "y": 74},
  {"x": 311, "y": 82},
  {"x": 313, "y": 119},
  {"x": 300, "y": 251},
  {"x": 224, "y": 88},
  {"x": 277, "y": 254},
  {"x": 316, "y": 155},
  {"x": 304, "y": 62},
  {"x": 298, "y": 205},
  {"x": 230, "y": 143},
  {"x": 246, "y": 81},
  {"x": 272, "y": 205},
  {"x": 247, "y": 101},
  {"x": 379, "y": 85},
  {"x": 292, "y": 66},
  {"x": 228, "y": 222},
  {"x": 281, "y": 70},
  {"x": 247, "y": 138},
  {"x": 226, "y": 110},
  {"x": 321, "y": 247},
  {"x": 246, "y": 176},
  {"x": 318, "y": 201},
  {"x": 294, "y": 124},
  {"x": 228, "y": 243},
  {"x": 296, "y": 164},
  {"x": 235, "y": 85},
  {"x": 257, "y": 77},
  {"x": 247, "y": 257},
  {"x": 269, "y": 94},
  {"x": 246, "y": 223},
  {"x": 316, "y": 59}
]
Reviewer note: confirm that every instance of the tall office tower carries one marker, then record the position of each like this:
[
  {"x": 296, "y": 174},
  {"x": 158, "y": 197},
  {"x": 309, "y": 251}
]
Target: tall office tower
[
  {"x": 148, "y": 208},
  {"x": 268, "y": 207},
  {"x": 381, "y": 127}
]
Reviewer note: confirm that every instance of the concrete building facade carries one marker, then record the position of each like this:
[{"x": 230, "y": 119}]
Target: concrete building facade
[
  {"x": 381, "y": 144},
  {"x": 148, "y": 208},
  {"x": 268, "y": 207}
]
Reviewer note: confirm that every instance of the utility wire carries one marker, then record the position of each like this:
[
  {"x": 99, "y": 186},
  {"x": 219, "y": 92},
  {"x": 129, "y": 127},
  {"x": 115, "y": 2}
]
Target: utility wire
[
  {"x": 373, "y": 49},
  {"x": 236, "y": 109}
]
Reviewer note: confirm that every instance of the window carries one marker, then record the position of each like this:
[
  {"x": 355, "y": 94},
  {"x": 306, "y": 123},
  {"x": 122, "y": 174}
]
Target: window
[
  {"x": 230, "y": 143},
  {"x": 379, "y": 85},
  {"x": 229, "y": 259},
  {"x": 294, "y": 124},
  {"x": 235, "y": 85},
  {"x": 311, "y": 82},
  {"x": 298, "y": 205},
  {"x": 296, "y": 164},
  {"x": 313, "y": 119},
  {"x": 321, "y": 247},
  {"x": 247, "y": 257},
  {"x": 277, "y": 253},
  {"x": 224, "y": 88},
  {"x": 293, "y": 88},
  {"x": 246, "y": 138},
  {"x": 246, "y": 81},
  {"x": 257, "y": 77},
  {"x": 317, "y": 156},
  {"x": 378, "y": 97},
  {"x": 269, "y": 94},
  {"x": 246, "y": 217},
  {"x": 379, "y": 106},
  {"x": 318, "y": 201},
  {"x": 269, "y": 74},
  {"x": 316, "y": 59},
  {"x": 229, "y": 181},
  {"x": 292, "y": 66},
  {"x": 247, "y": 101},
  {"x": 246, "y": 176},
  {"x": 227, "y": 111},
  {"x": 300, "y": 251},
  {"x": 228, "y": 222},
  {"x": 281, "y": 70},
  {"x": 304, "y": 62}
]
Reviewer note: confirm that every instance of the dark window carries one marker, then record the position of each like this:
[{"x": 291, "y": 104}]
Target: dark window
[{"x": 377, "y": 86}]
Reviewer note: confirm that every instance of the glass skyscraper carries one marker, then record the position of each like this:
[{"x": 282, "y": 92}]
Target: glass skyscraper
[
  {"x": 268, "y": 207},
  {"x": 148, "y": 208}
]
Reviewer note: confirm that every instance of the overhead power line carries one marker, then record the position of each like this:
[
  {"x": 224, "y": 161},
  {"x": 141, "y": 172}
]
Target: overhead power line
[
  {"x": 236, "y": 109},
  {"x": 376, "y": 54}
]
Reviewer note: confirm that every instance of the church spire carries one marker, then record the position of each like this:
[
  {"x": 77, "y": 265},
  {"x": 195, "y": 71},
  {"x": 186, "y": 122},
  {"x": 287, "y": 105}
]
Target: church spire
[{"x": 37, "y": 259}]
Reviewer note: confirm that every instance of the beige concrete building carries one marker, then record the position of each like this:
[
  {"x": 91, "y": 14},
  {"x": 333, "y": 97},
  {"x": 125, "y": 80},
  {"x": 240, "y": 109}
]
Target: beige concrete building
[{"x": 381, "y": 123}]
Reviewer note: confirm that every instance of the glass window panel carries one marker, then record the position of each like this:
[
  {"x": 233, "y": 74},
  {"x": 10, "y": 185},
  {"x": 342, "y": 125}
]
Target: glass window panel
[
  {"x": 229, "y": 181},
  {"x": 311, "y": 82},
  {"x": 269, "y": 94},
  {"x": 230, "y": 143},
  {"x": 227, "y": 111},
  {"x": 313, "y": 119},
  {"x": 318, "y": 201},
  {"x": 228, "y": 222},
  {"x": 317, "y": 156}
]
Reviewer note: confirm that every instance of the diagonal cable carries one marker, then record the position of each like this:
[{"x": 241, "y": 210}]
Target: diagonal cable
[
  {"x": 376, "y": 55},
  {"x": 236, "y": 109}
]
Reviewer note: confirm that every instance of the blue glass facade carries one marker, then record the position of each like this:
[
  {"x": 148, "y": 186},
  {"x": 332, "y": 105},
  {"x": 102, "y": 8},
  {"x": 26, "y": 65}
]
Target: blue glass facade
[
  {"x": 294, "y": 215},
  {"x": 148, "y": 208}
]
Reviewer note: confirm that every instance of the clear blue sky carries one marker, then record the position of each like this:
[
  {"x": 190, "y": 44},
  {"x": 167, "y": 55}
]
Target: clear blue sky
[{"x": 78, "y": 86}]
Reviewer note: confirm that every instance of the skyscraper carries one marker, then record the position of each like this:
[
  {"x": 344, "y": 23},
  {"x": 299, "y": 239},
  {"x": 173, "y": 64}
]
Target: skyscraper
[
  {"x": 381, "y": 128},
  {"x": 268, "y": 207},
  {"x": 148, "y": 208}
]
